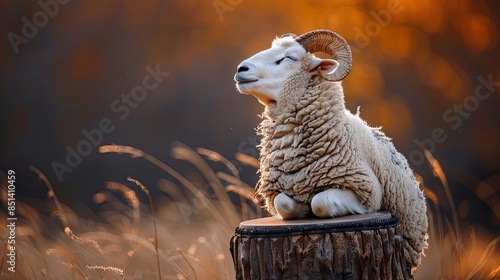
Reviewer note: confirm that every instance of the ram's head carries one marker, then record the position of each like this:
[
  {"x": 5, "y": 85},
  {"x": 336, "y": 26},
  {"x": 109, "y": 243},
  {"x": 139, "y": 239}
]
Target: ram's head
[{"x": 264, "y": 74}]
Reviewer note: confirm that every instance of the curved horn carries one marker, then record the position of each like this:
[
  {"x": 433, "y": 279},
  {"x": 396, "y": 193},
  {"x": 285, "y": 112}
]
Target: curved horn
[{"x": 331, "y": 43}]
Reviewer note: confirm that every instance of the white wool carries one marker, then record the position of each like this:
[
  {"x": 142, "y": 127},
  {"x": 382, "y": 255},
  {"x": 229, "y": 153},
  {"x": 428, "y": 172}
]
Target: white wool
[{"x": 311, "y": 143}]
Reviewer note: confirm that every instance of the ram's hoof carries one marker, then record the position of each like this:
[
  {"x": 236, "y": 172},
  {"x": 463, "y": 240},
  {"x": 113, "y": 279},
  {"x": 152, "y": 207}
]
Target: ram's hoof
[
  {"x": 288, "y": 208},
  {"x": 336, "y": 202}
]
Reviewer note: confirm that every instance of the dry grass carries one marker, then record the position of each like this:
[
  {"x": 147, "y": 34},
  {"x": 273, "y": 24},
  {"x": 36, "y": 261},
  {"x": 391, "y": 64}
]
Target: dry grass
[
  {"x": 185, "y": 234},
  {"x": 449, "y": 256}
]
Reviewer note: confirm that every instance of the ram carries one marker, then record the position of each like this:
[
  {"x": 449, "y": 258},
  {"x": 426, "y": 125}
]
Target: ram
[{"x": 315, "y": 155}]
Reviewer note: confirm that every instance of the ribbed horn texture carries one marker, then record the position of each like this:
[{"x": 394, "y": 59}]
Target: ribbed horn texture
[{"x": 333, "y": 44}]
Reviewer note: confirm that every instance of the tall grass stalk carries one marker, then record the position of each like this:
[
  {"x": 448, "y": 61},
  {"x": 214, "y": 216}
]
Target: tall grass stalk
[
  {"x": 155, "y": 227},
  {"x": 52, "y": 194}
]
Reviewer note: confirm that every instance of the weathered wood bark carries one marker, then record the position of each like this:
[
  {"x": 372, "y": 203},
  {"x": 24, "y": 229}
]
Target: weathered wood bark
[{"x": 352, "y": 247}]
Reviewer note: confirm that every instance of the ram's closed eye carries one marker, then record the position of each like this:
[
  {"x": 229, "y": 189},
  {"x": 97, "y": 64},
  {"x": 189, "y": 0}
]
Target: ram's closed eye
[{"x": 289, "y": 57}]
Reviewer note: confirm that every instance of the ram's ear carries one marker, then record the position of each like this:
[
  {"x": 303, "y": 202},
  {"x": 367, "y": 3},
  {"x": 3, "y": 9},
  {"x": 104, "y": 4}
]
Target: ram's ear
[{"x": 327, "y": 66}]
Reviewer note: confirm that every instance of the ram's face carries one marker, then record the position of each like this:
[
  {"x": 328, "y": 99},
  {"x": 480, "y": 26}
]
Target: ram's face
[{"x": 264, "y": 74}]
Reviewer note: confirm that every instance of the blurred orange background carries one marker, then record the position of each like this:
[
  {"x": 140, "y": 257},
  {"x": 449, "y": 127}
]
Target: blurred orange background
[{"x": 417, "y": 68}]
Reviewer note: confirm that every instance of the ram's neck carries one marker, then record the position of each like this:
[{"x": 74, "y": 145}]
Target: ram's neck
[
  {"x": 297, "y": 95},
  {"x": 326, "y": 95},
  {"x": 316, "y": 118}
]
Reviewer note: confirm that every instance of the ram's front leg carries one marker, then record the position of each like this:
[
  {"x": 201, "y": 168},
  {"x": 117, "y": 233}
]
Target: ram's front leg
[
  {"x": 288, "y": 208},
  {"x": 336, "y": 202}
]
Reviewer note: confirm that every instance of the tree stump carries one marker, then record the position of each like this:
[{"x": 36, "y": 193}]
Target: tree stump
[{"x": 351, "y": 247}]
